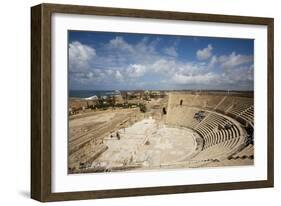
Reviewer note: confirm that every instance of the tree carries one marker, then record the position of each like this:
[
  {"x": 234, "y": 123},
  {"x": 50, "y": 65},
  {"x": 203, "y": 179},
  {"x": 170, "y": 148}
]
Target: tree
[{"x": 143, "y": 108}]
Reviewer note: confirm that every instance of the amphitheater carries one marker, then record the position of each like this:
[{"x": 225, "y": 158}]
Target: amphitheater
[{"x": 211, "y": 129}]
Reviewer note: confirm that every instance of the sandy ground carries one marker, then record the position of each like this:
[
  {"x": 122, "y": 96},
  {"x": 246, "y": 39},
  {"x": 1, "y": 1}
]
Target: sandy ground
[
  {"x": 86, "y": 133},
  {"x": 147, "y": 144}
]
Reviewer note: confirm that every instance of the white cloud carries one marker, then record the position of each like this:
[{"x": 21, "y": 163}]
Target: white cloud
[
  {"x": 212, "y": 62},
  {"x": 118, "y": 75},
  {"x": 241, "y": 73},
  {"x": 163, "y": 66},
  {"x": 122, "y": 65},
  {"x": 136, "y": 70},
  {"x": 200, "y": 79},
  {"x": 171, "y": 51},
  {"x": 119, "y": 43},
  {"x": 120, "y": 53},
  {"x": 206, "y": 53},
  {"x": 233, "y": 60},
  {"x": 80, "y": 56}
]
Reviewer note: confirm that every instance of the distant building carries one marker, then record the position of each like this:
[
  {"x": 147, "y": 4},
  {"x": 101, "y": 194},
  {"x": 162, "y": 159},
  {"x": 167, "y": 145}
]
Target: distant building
[
  {"x": 155, "y": 93},
  {"x": 92, "y": 98},
  {"x": 117, "y": 92},
  {"x": 76, "y": 105},
  {"x": 146, "y": 92},
  {"x": 119, "y": 99}
]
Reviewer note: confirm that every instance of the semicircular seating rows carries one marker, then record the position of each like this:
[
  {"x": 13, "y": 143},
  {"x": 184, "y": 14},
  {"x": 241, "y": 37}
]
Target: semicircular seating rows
[{"x": 222, "y": 125}]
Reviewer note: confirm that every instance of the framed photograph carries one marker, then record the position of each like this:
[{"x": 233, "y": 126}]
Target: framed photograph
[{"x": 130, "y": 102}]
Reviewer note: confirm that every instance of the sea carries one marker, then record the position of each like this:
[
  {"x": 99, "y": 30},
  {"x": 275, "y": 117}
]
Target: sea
[{"x": 91, "y": 93}]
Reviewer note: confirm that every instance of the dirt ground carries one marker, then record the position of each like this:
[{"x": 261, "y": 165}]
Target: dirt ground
[
  {"x": 147, "y": 144},
  {"x": 86, "y": 133}
]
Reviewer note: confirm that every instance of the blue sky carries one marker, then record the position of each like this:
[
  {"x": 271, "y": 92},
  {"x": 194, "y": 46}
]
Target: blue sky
[{"x": 122, "y": 61}]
